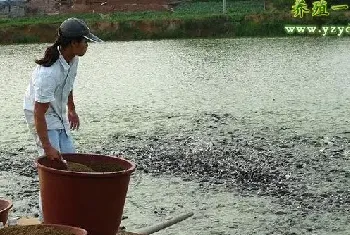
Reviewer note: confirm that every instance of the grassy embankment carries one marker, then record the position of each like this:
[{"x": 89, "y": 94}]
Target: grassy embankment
[{"x": 190, "y": 19}]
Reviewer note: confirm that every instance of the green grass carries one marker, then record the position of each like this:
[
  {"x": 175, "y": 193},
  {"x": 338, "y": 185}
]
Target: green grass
[
  {"x": 25, "y": 39},
  {"x": 215, "y": 7}
]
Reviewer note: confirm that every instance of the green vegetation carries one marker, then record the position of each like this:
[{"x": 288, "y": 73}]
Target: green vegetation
[
  {"x": 185, "y": 11},
  {"x": 210, "y": 7},
  {"x": 25, "y": 39},
  {"x": 187, "y": 20}
]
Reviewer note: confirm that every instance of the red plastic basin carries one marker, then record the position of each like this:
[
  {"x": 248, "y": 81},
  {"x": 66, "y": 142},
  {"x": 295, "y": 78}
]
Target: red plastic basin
[
  {"x": 90, "y": 200},
  {"x": 5, "y": 206}
]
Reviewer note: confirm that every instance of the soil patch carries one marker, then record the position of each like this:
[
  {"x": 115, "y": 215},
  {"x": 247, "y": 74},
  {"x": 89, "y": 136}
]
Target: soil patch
[
  {"x": 82, "y": 167},
  {"x": 93, "y": 167},
  {"x": 33, "y": 229},
  {"x": 110, "y": 167},
  {"x": 77, "y": 167}
]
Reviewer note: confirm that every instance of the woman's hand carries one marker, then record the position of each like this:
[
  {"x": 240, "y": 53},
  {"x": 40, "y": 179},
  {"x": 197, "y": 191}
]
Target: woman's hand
[
  {"x": 52, "y": 153},
  {"x": 73, "y": 119},
  {"x": 54, "y": 159}
]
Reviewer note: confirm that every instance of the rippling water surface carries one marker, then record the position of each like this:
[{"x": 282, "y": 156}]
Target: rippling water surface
[{"x": 299, "y": 83}]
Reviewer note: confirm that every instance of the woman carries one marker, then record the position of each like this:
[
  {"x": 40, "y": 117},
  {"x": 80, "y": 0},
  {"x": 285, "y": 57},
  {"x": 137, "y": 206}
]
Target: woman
[{"x": 51, "y": 90}]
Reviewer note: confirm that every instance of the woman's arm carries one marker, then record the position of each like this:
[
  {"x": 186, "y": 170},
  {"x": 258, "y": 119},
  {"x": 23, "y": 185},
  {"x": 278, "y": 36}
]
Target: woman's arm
[
  {"x": 73, "y": 117},
  {"x": 71, "y": 106},
  {"x": 41, "y": 129}
]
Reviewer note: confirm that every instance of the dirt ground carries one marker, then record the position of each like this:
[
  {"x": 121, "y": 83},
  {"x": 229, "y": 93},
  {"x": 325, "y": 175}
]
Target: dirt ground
[{"x": 98, "y": 6}]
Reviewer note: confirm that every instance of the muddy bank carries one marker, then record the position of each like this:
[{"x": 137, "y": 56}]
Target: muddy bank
[
  {"x": 169, "y": 27},
  {"x": 129, "y": 30}
]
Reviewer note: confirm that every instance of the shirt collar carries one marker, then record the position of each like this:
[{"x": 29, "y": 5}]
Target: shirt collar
[{"x": 63, "y": 62}]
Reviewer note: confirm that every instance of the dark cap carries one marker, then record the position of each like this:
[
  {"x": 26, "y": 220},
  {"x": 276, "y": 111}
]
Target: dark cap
[{"x": 73, "y": 28}]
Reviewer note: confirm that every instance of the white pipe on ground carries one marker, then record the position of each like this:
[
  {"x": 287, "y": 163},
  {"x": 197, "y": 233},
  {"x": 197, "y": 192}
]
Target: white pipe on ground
[{"x": 157, "y": 227}]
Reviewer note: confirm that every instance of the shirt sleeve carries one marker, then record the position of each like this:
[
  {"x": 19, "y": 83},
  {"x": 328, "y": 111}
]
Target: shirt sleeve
[
  {"x": 76, "y": 62},
  {"x": 44, "y": 87},
  {"x": 72, "y": 82}
]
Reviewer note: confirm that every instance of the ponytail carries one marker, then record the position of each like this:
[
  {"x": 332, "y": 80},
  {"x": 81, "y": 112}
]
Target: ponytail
[{"x": 51, "y": 55}]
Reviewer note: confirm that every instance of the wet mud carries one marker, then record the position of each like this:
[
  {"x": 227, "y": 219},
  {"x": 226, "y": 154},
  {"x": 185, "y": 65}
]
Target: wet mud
[{"x": 307, "y": 176}]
